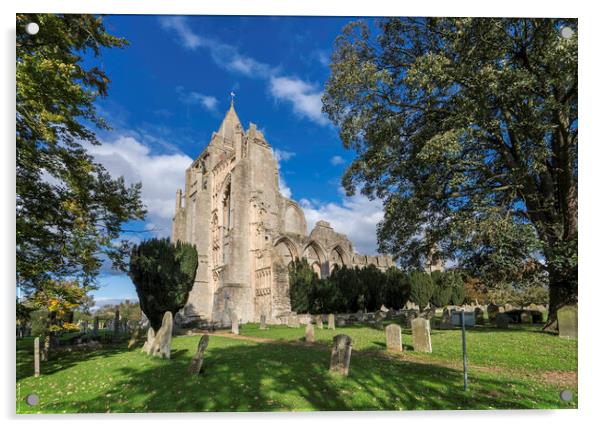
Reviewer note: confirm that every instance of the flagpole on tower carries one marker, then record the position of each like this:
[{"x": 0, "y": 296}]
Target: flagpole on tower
[{"x": 232, "y": 95}]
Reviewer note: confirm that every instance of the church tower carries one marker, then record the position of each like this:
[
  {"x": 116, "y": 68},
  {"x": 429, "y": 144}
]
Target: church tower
[
  {"x": 228, "y": 209},
  {"x": 246, "y": 232}
]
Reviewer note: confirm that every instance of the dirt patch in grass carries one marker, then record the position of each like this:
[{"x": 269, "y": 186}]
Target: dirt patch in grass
[{"x": 559, "y": 378}]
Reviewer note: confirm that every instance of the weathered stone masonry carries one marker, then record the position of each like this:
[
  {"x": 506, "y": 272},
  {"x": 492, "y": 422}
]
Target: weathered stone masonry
[{"x": 246, "y": 232}]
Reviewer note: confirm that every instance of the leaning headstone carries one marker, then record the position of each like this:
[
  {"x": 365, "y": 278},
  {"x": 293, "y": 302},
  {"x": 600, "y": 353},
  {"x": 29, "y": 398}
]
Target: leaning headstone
[
  {"x": 319, "y": 322},
  {"x": 309, "y": 333},
  {"x": 331, "y": 325},
  {"x": 36, "y": 357},
  {"x": 162, "y": 343},
  {"x": 567, "y": 322},
  {"x": 95, "y": 327},
  {"x": 421, "y": 335},
  {"x": 340, "y": 356},
  {"x": 262, "y": 323},
  {"x": 197, "y": 361},
  {"x": 393, "y": 333},
  {"x": 150, "y": 338},
  {"x": 502, "y": 320}
]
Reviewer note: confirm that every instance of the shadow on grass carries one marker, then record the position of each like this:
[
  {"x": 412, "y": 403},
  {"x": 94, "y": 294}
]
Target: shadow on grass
[
  {"x": 60, "y": 359},
  {"x": 244, "y": 376}
]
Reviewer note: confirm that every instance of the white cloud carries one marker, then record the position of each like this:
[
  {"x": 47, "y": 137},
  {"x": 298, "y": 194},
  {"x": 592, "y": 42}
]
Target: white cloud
[
  {"x": 224, "y": 55},
  {"x": 356, "y": 217},
  {"x": 305, "y": 98},
  {"x": 161, "y": 175},
  {"x": 337, "y": 160},
  {"x": 285, "y": 190},
  {"x": 178, "y": 24},
  {"x": 282, "y": 155},
  {"x": 207, "y": 101}
]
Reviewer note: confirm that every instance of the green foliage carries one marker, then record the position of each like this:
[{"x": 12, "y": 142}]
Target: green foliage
[
  {"x": 163, "y": 274},
  {"x": 374, "y": 283},
  {"x": 127, "y": 310},
  {"x": 398, "y": 288},
  {"x": 23, "y": 312},
  {"x": 39, "y": 322},
  {"x": 69, "y": 210},
  {"x": 458, "y": 294},
  {"x": 352, "y": 289},
  {"x": 421, "y": 288},
  {"x": 522, "y": 296},
  {"x": 467, "y": 128},
  {"x": 442, "y": 289},
  {"x": 301, "y": 280},
  {"x": 346, "y": 289},
  {"x": 325, "y": 297}
]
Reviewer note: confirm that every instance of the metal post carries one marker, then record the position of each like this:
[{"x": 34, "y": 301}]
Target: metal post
[{"x": 464, "y": 350}]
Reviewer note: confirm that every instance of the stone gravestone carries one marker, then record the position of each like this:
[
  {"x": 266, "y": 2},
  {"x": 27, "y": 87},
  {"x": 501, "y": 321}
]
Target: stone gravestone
[
  {"x": 95, "y": 327},
  {"x": 262, "y": 324},
  {"x": 234, "y": 320},
  {"x": 36, "y": 357},
  {"x": 479, "y": 315},
  {"x": 446, "y": 319},
  {"x": 502, "y": 320},
  {"x": 340, "y": 358},
  {"x": 162, "y": 343},
  {"x": 319, "y": 322},
  {"x": 421, "y": 335},
  {"x": 331, "y": 324},
  {"x": 526, "y": 317},
  {"x": 393, "y": 333},
  {"x": 150, "y": 338},
  {"x": 293, "y": 321},
  {"x": 309, "y": 333},
  {"x": 567, "y": 322},
  {"x": 197, "y": 361},
  {"x": 492, "y": 311},
  {"x": 378, "y": 320}
]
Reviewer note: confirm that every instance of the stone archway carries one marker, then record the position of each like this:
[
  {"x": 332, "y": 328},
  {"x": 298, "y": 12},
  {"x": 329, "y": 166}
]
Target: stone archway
[{"x": 315, "y": 256}]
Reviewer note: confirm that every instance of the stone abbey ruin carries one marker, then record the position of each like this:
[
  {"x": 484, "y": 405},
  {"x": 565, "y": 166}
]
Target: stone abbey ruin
[{"x": 247, "y": 233}]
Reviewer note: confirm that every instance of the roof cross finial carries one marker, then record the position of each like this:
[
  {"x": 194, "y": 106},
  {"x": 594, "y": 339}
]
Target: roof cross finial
[{"x": 232, "y": 95}]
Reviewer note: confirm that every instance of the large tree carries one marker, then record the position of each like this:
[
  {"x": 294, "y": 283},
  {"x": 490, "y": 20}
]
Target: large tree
[
  {"x": 69, "y": 210},
  {"x": 465, "y": 127}
]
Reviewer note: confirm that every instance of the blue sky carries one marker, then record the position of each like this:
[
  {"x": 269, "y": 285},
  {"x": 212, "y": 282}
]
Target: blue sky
[{"x": 170, "y": 88}]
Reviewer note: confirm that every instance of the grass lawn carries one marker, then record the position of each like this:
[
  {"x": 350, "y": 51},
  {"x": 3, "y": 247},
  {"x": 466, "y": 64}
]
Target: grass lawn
[{"x": 273, "y": 370}]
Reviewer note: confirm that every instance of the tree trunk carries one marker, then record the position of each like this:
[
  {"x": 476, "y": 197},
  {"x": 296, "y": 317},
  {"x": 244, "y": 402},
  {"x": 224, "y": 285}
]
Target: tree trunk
[{"x": 562, "y": 293}]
